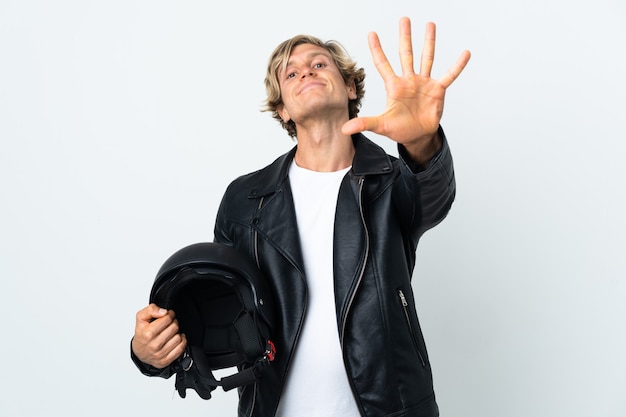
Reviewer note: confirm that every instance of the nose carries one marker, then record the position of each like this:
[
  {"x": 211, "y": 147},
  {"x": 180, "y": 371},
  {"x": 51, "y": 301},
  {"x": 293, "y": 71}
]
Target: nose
[{"x": 308, "y": 73}]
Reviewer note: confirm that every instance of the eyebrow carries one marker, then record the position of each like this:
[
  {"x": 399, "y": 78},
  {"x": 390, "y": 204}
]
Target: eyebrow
[{"x": 310, "y": 55}]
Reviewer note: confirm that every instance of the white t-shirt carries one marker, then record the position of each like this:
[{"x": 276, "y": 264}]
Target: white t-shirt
[{"x": 317, "y": 384}]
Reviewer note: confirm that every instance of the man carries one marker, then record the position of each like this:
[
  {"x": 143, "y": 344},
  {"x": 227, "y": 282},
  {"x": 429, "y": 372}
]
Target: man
[{"x": 334, "y": 224}]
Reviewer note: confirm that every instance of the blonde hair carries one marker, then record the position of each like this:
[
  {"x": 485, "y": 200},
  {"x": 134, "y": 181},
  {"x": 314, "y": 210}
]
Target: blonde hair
[{"x": 278, "y": 62}]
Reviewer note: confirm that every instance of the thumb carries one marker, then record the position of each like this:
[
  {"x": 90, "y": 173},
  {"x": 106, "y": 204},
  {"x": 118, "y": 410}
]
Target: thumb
[
  {"x": 157, "y": 311},
  {"x": 360, "y": 124},
  {"x": 150, "y": 313}
]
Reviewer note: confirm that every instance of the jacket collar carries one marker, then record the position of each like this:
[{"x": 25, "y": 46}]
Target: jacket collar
[{"x": 369, "y": 159}]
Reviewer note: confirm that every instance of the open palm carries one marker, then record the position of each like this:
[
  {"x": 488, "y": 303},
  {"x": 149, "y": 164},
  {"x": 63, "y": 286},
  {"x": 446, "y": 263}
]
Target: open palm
[{"x": 414, "y": 101}]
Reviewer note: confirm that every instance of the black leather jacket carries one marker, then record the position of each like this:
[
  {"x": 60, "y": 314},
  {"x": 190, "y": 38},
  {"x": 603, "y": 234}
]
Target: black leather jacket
[{"x": 385, "y": 204}]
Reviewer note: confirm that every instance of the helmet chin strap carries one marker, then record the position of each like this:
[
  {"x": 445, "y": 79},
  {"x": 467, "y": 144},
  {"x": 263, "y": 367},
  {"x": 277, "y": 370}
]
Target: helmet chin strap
[{"x": 196, "y": 373}]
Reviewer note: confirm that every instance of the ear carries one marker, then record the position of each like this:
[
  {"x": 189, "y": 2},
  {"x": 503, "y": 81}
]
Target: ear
[
  {"x": 283, "y": 113},
  {"x": 351, "y": 89}
]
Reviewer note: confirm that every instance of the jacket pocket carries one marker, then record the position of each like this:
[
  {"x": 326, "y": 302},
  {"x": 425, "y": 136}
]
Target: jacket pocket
[{"x": 410, "y": 326}]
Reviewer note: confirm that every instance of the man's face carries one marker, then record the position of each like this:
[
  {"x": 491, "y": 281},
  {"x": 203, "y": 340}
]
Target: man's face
[{"x": 312, "y": 86}]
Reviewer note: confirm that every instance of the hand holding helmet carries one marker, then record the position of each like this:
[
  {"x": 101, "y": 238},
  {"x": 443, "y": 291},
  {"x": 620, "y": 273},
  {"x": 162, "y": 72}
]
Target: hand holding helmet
[
  {"x": 157, "y": 340},
  {"x": 224, "y": 317}
]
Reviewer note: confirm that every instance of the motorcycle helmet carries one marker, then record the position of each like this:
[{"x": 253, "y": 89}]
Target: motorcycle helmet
[{"x": 224, "y": 306}]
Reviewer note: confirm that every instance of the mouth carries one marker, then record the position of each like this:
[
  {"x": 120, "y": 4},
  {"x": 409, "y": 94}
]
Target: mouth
[{"x": 308, "y": 86}]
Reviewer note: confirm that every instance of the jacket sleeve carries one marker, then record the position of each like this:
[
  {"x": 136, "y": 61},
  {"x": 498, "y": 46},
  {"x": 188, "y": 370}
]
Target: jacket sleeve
[
  {"x": 432, "y": 190},
  {"x": 149, "y": 370},
  {"x": 220, "y": 231}
]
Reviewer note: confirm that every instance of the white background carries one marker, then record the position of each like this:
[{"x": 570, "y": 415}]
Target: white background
[{"x": 122, "y": 122}]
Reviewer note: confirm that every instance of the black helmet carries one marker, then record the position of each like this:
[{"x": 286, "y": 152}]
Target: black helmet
[{"x": 224, "y": 306}]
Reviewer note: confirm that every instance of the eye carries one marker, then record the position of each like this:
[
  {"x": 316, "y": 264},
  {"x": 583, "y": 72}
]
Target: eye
[{"x": 318, "y": 65}]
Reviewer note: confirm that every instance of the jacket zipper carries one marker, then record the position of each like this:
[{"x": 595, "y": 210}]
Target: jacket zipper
[
  {"x": 256, "y": 239},
  {"x": 405, "y": 308},
  {"x": 258, "y": 264},
  {"x": 344, "y": 319},
  {"x": 253, "y": 400}
]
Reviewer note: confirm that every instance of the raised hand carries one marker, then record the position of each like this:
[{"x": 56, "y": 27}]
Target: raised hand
[{"x": 414, "y": 101}]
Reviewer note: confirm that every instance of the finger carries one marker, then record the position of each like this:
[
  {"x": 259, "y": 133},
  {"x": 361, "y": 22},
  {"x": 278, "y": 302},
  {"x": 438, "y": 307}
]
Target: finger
[
  {"x": 406, "y": 46},
  {"x": 428, "y": 52},
  {"x": 165, "y": 329},
  {"x": 454, "y": 72},
  {"x": 176, "y": 350},
  {"x": 169, "y": 352},
  {"x": 380, "y": 59},
  {"x": 154, "y": 343},
  {"x": 160, "y": 329},
  {"x": 174, "y": 346}
]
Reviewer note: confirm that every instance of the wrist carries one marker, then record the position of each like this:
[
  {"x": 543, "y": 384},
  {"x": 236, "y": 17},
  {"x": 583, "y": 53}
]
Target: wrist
[{"x": 424, "y": 148}]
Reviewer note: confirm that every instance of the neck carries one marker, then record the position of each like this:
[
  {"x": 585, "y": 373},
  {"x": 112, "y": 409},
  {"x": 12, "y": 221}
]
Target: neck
[{"x": 324, "y": 150}]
